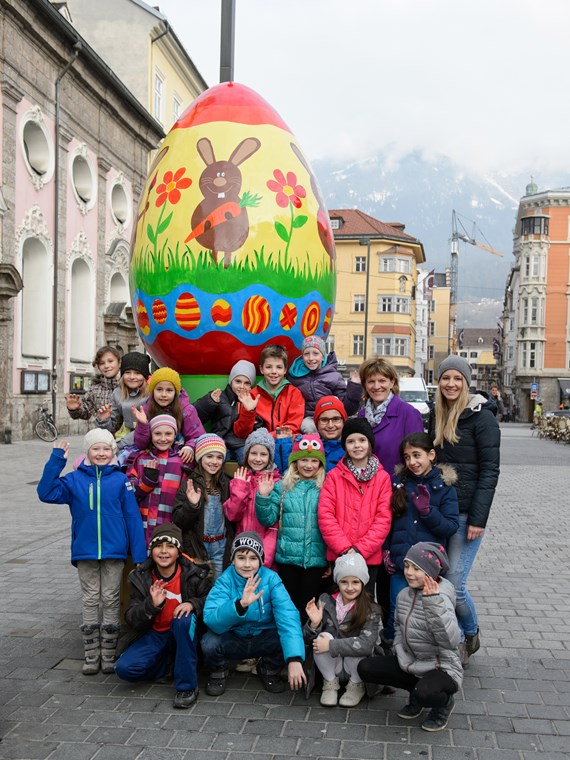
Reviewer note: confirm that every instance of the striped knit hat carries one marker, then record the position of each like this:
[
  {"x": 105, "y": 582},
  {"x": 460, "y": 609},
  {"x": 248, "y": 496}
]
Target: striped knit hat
[
  {"x": 209, "y": 443},
  {"x": 164, "y": 374},
  {"x": 163, "y": 419}
]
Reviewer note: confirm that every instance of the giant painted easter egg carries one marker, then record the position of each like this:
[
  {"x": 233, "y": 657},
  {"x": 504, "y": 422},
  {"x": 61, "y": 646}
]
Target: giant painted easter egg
[{"x": 233, "y": 247}]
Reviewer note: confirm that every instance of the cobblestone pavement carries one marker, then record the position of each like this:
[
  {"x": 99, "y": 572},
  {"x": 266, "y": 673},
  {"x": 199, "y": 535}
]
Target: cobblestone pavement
[{"x": 515, "y": 702}]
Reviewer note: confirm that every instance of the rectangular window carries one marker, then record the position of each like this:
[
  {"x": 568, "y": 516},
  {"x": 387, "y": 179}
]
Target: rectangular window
[
  {"x": 335, "y": 224},
  {"x": 532, "y": 355},
  {"x": 400, "y": 346},
  {"x": 176, "y": 108},
  {"x": 158, "y": 95},
  {"x": 534, "y": 225},
  {"x": 402, "y": 305},
  {"x": 527, "y": 266},
  {"x": 510, "y": 352},
  {"x": 384, "y": 304},
  {"x": 430, "y": 377},
  {"x": 391, "y": 346},
  {"x": 473, "y": 354},
  {"x": 431, "y": 306},
  {"x": 432, "y": 328},
  {"x": 359, "y": 303},
  {"x": 404, "y": 266},
  {"x": 431, "y": 352},
  {"x": 535, "y": 266},
  {"x": 534, "y": 311},
  {"x": 525, "y": 311},
  {"x": 387, "y": 265},
  {"x": 360, "y": 264},
  {"x": 463, "y": 354},
  {"x": 358, "y": 345}
]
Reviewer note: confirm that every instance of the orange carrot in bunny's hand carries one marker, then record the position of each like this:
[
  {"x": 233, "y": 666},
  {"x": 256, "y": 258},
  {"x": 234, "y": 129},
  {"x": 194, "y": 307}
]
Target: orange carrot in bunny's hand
[{"x": 225, "y": 212}]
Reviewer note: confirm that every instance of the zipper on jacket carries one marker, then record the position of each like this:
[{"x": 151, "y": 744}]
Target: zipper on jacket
[
  {"x": 406, "y": 622},
  {"x": 91, "y": 496},
  {"x": 98, "y": 513}
]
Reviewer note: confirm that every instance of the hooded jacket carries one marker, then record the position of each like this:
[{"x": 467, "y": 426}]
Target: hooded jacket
[
  {"x": 240, "y": 509},
  {"x": 105, "y": 518},
  {"x": 99, "y": 394},
  {"x": 427, "y": 634},
  {"x": 475, "y": 458},
  {"x": 286, "y": 409},
  {"x": 273, "y": 609},
  {"x": 314, "y": 384},
  {"x": 221, "y": 415},
  {"x": 438, "y": 525},
  {"x": 355, "y": 514}
]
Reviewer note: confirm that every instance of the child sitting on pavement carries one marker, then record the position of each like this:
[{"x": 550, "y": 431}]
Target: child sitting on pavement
[
  {"x": 105, "y": 526},
  {"x": 426, "y": 660},
  {"x": 167, "y": 597},
  {"x": 249, "y": 614}
]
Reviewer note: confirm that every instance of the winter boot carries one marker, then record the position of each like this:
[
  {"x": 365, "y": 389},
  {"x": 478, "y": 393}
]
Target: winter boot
[
  {"x": 353, "y": 694},
  {"x": 216, "y": 684},
  {"x": 109, "y": 638},
  {"x": 472, "y": 643},
  {"x": 412, "y": 709},
  {"x": 438, "y": 716},
  {"x": 329, "y": 694},
  {"x": 92, "y": 648}
]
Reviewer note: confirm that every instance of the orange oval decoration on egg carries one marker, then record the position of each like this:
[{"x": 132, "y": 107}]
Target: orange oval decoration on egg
[
  {"x": 256, "y": 315},
  {"x": 327, "y": 320},
  {"x": 142, "y": 318},
  {"x": 311, "y": 319},
  {"x": 288, "y": 316},
  {"x": 221, "y": 313},
  {"x": 159, "y": 311},
  {"x": 187, "y": 312}
]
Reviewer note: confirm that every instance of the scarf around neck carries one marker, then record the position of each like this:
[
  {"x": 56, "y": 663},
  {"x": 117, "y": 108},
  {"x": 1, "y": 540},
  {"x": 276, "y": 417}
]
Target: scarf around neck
[
  {"x": 368, "y": 472},
  {"x": 374, "y": 414}
]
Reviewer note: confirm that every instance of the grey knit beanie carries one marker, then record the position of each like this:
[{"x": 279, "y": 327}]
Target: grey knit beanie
[
  {"x": 453, "y": 361},
  {"x": 245, "y": 368},
  {"x": 429, "y": 557},
  {"x": 260, "y": 437},
  {"x": 251, "y": 540},
  {"x": 351, "y": 564}
]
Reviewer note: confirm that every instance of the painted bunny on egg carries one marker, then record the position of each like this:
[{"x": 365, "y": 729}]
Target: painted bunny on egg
[{"x": 220, "y": 222}]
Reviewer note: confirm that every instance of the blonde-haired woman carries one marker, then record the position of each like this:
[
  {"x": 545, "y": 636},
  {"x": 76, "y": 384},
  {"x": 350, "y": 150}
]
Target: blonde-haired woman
[{"x": 466, "y": 435}]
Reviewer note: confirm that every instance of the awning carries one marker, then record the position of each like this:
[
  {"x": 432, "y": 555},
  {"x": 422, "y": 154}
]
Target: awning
[{"x": 564, "y": 383}]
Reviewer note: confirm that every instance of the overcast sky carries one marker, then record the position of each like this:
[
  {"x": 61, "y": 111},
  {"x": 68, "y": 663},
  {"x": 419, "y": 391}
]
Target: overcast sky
[{"x": 482, "y": 81}]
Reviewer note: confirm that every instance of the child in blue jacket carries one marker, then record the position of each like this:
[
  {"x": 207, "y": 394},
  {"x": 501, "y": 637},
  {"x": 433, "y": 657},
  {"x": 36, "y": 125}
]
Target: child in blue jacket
[
  {"x": 105, "y": 527},
  {"x": 249, "y": 614}
]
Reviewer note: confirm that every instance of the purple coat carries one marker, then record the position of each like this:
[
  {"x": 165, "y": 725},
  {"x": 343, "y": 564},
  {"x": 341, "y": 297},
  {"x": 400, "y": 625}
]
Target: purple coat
[
  {"x": 400, "y": 420},
  {"x": 324, "y": 381}
]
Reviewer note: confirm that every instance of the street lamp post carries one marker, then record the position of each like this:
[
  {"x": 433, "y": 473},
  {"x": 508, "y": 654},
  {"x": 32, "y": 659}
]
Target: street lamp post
[{"x": 366, "y": 242}]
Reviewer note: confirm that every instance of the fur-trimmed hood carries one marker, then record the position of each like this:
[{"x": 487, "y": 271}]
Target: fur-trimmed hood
[{"x": 445, "y": 471}]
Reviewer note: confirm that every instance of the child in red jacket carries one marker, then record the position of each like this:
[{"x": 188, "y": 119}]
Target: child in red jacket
[{"x": 354, "y": 505}]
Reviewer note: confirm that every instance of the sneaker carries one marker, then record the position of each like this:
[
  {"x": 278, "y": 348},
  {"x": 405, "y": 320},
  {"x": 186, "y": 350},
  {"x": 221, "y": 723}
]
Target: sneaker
[
  {"x": 411, "y": 710},
  {"x": 216, "y": 684},
  {"x": 246, "y": 666},
  {"x": 439, "y": 716},
  {"x": 185, "y": 699},
  {"x": 273, "y": 683},
  {"x": 472, "y": 643},
  {"x": 329, "y": 693},
  {"x": 353, "y": 694}
]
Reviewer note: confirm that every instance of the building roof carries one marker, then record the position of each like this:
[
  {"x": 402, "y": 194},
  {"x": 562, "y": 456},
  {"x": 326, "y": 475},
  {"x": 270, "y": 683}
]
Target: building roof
[
  {"x": 478, "y": 337},
  {"x": 358, "y": 223}
]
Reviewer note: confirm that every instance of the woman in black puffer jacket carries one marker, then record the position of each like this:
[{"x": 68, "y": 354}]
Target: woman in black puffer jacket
[{"x": 467, "y": 436}]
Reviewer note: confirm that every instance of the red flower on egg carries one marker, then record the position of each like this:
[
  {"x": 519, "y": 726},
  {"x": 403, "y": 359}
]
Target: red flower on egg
[
  {"x": 171, "y": 185},
  {"x": 286, "y": 188}
]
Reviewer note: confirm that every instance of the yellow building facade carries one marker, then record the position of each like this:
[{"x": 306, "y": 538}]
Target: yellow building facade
[
  {"x": 441, "y": 324},
  {"x": 375, "y": 311}
]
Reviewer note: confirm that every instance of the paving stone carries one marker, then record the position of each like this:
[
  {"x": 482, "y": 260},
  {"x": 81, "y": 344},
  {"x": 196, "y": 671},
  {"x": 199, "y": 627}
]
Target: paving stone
[
  {"x": 452, "y": 753},
  {"x": 462, "y": 738},
  {"x": 305, "y": 729},
  {"x": 276, "y": 744},
  {"x": 17, "y": 749},
  {"x": 231, "y": 742},
  {"x": 66, "y": 751},
  {"x": 497, "y": 754},
  {"x": 254, "y": 726},
  {"x": 363, "y": 750},
  {"x": 554, "y": 743},
  {"x": 533, "y": 726},
  {"x": 192, "y": 740},
  {"x": 161, "y": 753},
  {"x": 517, "y": 741}
]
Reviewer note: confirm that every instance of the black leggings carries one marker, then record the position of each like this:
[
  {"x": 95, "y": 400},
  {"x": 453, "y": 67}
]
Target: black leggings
[
  {"x": 431, "y": 690},
  {"x": 302, "y": 584}
]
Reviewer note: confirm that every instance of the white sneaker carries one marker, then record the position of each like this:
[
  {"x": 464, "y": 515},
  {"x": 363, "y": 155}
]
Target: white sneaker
[
  {"x": 353, "y": 694},
  {"x": 247, "y": 666},
  {"x": 329, "y": 694}
]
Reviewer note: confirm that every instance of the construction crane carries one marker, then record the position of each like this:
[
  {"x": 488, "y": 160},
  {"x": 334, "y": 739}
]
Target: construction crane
[{"x": 463, "y": 235}]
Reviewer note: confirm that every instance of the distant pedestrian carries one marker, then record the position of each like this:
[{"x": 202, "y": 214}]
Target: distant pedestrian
[
  {"x": 496, "y": 397},
  {"x": 105, "y": 527}
]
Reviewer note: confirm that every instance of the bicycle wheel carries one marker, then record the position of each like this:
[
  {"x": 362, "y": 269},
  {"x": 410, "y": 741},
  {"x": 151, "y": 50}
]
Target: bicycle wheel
[{"x": 45, "y": 430}]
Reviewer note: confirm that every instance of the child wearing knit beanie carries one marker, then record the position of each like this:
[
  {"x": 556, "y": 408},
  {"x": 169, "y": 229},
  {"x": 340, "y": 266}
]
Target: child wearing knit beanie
[
  {"x": 220, "y": 407},
  {"x": 259, "y": 451},
  {"x": 315, "y": 373},
  {"x": 167, "y": 396},
  {"x": 198, "y": 506}
]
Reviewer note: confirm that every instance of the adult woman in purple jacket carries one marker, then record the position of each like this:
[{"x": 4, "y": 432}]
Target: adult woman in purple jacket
[{"x": 391, "y": 420}]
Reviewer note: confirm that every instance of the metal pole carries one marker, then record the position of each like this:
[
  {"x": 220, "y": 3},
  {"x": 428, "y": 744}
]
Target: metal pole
[
  {"x": 227, "y": 41},
  {"x": 366, "y": 299},
  {"x": 54, "y": 313}
]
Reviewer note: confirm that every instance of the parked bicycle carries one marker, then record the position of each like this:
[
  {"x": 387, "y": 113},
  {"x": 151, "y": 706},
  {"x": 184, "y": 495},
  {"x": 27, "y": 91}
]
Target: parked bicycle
[{"x": 45, "y": 426}]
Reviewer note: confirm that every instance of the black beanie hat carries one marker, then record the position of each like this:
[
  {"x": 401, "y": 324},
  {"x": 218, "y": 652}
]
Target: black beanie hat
[
  {"x": 251, "y": 540},
  {"x": 357, "y": 425},
  {"x": 166, "y": 532},
  {"x": 137, "y": 362}
]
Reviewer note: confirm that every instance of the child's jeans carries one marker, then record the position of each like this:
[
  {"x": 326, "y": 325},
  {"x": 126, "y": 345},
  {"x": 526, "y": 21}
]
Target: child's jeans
[
  {"x": 331, "y": 666},
  {"x": 431, "y": 690},
  {"x": 100, "y": 583},
  {"x": 397, "y": 583},
  {"x": 219, "y": 648},
  {"x": 148, "y": 658}
]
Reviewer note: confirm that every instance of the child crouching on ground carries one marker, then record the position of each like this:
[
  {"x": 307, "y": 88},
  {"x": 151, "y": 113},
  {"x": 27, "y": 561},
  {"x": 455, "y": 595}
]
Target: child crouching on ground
[
  {"x": 426, "y": 662},
  {"x": 167, "y": 597},
  {"x": 343, "y": 629},
  {"x": 105, "y": 526},
  {"x": 249, "y": 614}
]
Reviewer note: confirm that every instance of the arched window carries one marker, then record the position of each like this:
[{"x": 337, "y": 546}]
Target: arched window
[
  {"x": 36, "y": 300},
  {"x": 119, "y": 292},
  {"x": 81, "y": 327}
]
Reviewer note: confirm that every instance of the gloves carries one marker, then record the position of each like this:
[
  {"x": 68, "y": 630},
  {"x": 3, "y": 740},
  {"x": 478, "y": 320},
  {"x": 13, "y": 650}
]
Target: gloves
[
  {"x": 388, "y": 564},
  {"x": 421, "y": 501}
]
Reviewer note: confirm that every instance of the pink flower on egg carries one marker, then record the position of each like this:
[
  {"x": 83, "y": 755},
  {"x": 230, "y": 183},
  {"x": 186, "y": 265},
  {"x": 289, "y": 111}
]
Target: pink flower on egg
[{"x": 286, "y": 189}]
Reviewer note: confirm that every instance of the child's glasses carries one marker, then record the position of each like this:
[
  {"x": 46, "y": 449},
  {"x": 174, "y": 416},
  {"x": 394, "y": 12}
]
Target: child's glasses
[{"x": 331, "y": 421}]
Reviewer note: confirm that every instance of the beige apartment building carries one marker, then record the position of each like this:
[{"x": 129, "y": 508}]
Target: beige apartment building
[
  {"x": 440, "y": 322},
  {"x": 375, "y": 313}
]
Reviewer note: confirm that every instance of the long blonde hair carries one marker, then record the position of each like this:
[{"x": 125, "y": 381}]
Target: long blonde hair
[
  {"x": 292, "y": 477},
  {"x": 125, "y": 393},
  {"x": 447, "y": 415}
]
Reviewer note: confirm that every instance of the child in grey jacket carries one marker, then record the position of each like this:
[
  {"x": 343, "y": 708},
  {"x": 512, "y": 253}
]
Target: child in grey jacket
[{"x": 426, "y": 660}]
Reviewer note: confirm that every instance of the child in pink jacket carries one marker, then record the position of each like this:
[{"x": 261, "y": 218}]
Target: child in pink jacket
[
  {"x": 354, "y": 506},
  {"x": 259, "y": 452}
]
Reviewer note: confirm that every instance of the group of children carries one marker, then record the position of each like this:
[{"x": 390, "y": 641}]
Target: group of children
[{"x": 270, "y": 568}]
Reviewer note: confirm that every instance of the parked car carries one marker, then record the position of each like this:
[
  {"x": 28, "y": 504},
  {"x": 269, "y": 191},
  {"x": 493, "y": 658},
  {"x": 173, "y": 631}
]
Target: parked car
[
  {"x": 414, "y": 391},
  {"x": 557, "y": 413}
]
